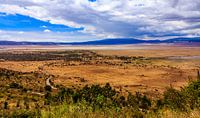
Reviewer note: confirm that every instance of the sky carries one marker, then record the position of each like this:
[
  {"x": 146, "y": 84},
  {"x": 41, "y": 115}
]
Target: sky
[{"x": 86, "y": 20}]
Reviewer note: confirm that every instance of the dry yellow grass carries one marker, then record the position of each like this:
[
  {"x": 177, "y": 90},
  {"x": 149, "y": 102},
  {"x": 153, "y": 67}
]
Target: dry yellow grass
[
  {"x": 152, "y": 78},
  {"x": 153, "y": 51}
]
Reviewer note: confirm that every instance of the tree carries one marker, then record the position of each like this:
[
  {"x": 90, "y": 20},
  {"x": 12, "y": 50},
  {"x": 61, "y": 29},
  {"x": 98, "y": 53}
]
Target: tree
[
  {"x": 47, "y": 88},
  {"x": 18, "y": 104},
  {"x": 5, "y": 105},
  {"x": 26, "y": 103},
  {"x": 198, "y": 75}
]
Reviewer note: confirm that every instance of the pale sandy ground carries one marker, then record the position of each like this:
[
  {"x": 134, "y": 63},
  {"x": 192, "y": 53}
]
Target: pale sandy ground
[
  {"x": 146, "y": 50},
  {"x": 87, "y": 47}
]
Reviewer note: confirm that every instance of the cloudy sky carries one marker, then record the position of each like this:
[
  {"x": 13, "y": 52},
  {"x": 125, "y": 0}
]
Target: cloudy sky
[{"x": 81, "y": 20}]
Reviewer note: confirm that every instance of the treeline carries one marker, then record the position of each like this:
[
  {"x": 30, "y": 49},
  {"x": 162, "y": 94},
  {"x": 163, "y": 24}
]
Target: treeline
[{"x": 75, "y": 55}]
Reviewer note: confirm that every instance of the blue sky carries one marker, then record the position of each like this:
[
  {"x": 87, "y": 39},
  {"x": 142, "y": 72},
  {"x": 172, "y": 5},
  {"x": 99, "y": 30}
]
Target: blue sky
[
  {"x": 92, "y": 0},
  {"x": 82, "y": 20},
  {"x": 18, "y": 22}
]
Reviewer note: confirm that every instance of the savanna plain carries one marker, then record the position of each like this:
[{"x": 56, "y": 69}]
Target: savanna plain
[{"x": 100, "y": 81}]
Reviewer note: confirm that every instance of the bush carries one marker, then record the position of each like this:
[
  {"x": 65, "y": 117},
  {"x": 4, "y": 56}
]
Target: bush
[
  {"x": 175, "y": 99},
  {"x": 139, "y": 101},
  {"x": 97, "y": 96},
  {"x": 198, "y": 76},
  {"x": 192, "y": 93},
  {"x": 24, "y": 114},
  {"x": 5, "y": 105},
  {"x": 15, "y": 85},
  {"x": 48, "y": 88},
  {"x": 64, "y": 95}
]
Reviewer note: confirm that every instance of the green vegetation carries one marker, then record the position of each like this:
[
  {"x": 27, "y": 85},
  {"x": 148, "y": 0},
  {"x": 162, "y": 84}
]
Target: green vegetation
[
  {"x": 104, "y": 101},
  {"x": 82, "y": 57}
]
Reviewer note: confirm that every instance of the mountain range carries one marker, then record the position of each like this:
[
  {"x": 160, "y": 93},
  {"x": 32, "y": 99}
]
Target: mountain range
[{"x": 113, "y": 41}]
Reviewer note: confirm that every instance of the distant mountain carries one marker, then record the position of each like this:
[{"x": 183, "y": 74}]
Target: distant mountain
[
  {"x": 121, "y": 41},
  {"x": 183, "y": 40},
  {"x": 114, "y": 41},
  {"x": 26, "y": 43}
]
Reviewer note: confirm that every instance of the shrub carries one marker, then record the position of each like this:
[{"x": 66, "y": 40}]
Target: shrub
[
  {"x": 198, "y": 75},
  {"x": 64, "y": 94},
  {"x": 97, "y": 95},
  {"x": 24, "y": 114},
  {"x": 15, "y": 85},
  {"x": 175, "y": 99},
  {"x": 47, "y": 88},
  {"x": 192, "y": 93},
  {"x": 5, "y": 105}
]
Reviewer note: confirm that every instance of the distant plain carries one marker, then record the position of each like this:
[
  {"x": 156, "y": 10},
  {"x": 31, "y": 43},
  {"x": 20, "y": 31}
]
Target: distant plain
[{"x": 152, "y": 70}]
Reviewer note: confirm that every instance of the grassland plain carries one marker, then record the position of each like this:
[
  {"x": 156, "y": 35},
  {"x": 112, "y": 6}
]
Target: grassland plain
[{"x": 144, "y": 69}]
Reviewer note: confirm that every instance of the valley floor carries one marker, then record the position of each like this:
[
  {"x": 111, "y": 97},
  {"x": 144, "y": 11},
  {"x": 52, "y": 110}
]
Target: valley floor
[{"x": 148, "y": 69}]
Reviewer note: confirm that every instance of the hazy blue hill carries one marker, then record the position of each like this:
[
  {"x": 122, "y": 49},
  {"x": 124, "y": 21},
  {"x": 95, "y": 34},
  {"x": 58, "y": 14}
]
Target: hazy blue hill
[
  {"x": 174, "y": 40},
  {"x": 121, "y": 41},
  {"x": 26, "y": 43},
  {"x": 114, "y": 41}
]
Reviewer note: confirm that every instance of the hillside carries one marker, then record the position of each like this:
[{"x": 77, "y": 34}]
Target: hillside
[{"x": 114, "y": 41}]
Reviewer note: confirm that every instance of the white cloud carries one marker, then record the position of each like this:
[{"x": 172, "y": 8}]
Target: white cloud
[
  {"x": 47, "y": 30},
  {"x": 21, "y": 32},
  {"x": 115, "y": 18},
  {"x": 44, "y": 26}
]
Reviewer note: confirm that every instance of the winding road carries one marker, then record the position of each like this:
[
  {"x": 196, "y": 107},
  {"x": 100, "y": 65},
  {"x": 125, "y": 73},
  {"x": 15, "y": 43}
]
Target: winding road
[
  {"x": 48, "y": 80},
  {"x": 48, "y": 83}
]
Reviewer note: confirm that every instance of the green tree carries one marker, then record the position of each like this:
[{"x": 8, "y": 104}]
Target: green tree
[
  {"x": 47, "y": 88},
  {"x": 5, "y": 105},
  {"x": 175, "y": 99},
  {"x": 198, "y": 75}
]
